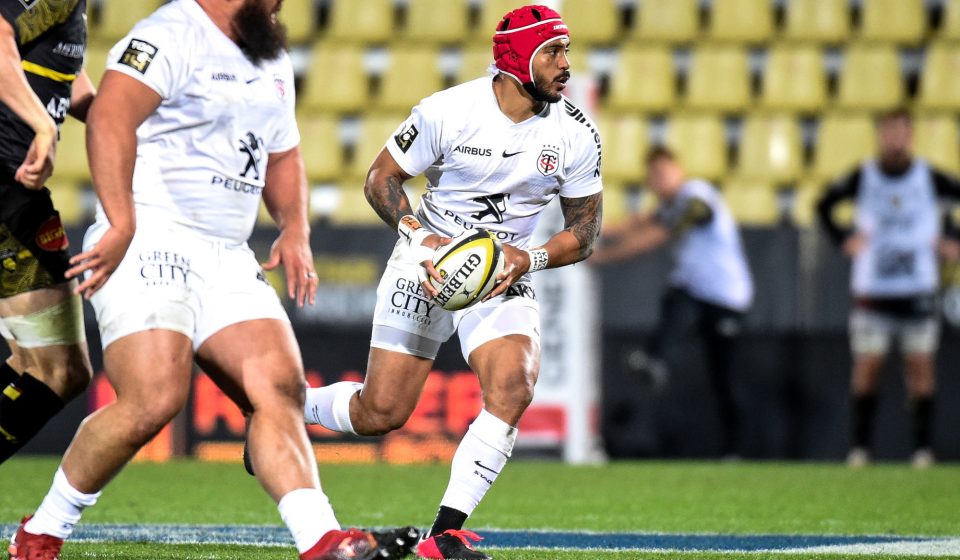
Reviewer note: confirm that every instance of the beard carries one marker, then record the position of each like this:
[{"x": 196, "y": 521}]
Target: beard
[
  {"x": 540, "y": 93},
  {"x": 259, "y": 35}
]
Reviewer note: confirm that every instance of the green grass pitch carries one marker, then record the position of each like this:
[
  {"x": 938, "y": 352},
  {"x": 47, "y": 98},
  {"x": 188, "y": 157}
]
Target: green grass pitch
[{"x": 669, "y": 497}]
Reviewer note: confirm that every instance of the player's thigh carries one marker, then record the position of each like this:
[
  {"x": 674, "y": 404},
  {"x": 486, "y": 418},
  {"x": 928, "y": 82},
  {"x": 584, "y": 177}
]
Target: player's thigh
[
  {"x": 394, "y": 382},
  {"x": 151, "y": 370},
  {"x": 870, "y": 333},
  {"x": 919, "y": 336},
  {"x": 44, "y": 330},
  {"x": 256, "y": 363}
]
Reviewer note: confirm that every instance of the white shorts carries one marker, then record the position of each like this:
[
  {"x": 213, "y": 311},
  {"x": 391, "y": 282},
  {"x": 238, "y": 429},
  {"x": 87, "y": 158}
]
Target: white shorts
[
  {"x": 173, "y": 278},
  {"x": 871, "y": 332},
  {"x": 406, "y": 321}
]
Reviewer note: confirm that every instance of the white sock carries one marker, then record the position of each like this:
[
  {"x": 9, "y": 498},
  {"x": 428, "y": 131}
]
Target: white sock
[
  {"x": 330, "y": 406},
  {"x": 481, "y": 456},
  {"x": 61, "y": 509},
  {"x": 308, "y": 514}
]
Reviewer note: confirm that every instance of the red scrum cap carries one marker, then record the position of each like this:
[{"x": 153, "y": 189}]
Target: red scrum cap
[{"x": 520, "y": 34}]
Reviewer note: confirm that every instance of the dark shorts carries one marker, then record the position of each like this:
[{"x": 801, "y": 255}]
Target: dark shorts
[{"x": 33, "y": 243}]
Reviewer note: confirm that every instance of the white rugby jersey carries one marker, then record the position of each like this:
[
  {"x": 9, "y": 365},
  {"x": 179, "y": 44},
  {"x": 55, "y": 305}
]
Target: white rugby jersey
[
  {"x": 484, "y": 170},
  {"x": 900, "y": 219},
  {"x": 710, "y": 261},
  {"x": 202, "y": 155}
]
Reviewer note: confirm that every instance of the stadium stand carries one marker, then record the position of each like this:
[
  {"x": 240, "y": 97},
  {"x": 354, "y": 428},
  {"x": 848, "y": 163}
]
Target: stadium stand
[
  {"x": 623, "y": 152},
  {"x": 742, "y": 21},
  {"x": 794, "y": 79},
  {"x": 669, "y": 21},
  {"x": 950, "y": 27},
  {"x": 817, "y": 21},
  {"x": 321, "y": 146},
  {"x": 843, "y": 140},
  {"x": 422, "y": 17},
  {"x": 770, "y": 149},
  {"x": 349, "y": 92},
  {"x": 752, "y": 201},
  {"x": 593, "y": 23},
  {"x": 369, "y": 22},
  {"x": 871, "y": 78},
  {"x": 893, "y": 21},
  {"x": 413, "y": 73},
  {"x": 374, "y": 131},
  {"x": 114, "y": 18},
  {"x": 643, "y": 80},
  {"x": 300, "y": 17},
  {"x": 719, "y": 79},
  {"x": 940, "y": 81},
  {"x": 699, "y": 140},
  {"x": 937, "y": 138}
]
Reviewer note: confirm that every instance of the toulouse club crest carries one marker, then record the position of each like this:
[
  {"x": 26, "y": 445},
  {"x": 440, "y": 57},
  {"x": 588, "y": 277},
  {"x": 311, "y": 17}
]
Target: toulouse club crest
[
  {"x": 548, "y": 161},
  {"x": 280, "y": 85}
]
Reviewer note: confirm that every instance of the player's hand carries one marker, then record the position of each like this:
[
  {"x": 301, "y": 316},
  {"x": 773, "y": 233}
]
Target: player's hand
[
  {"x": 517, "y": 264},
  {"x": 427, "y": 270},
  {"x": 38, "y": 165},
  {"x": 292, "y": 250},
  {"x": 949, "y": 249},
  {"x": 101, "y": 260},
  {"x": 854, "y": 245}
]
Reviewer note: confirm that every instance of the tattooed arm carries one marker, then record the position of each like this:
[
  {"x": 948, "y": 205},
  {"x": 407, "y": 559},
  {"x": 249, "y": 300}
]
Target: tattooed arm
[{"x": 384, "y": 189}]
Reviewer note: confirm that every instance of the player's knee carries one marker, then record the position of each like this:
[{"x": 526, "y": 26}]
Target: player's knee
[
  {"x": 153, "y": 414},
  {"x": 380, "y": 419},
  {"x": 76, "y": 376},
  {"x": 511, "y": 398},
  {"x": 288, "y": 391}
]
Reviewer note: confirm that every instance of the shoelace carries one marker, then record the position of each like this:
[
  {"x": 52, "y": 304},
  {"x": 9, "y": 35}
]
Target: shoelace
[{"x": 463, "y": 535}]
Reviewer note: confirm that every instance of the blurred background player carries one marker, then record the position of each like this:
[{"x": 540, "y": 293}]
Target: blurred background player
[
  {"x": 710, "y": 287},
  {"x": 895, "y": 276},
  {"x": 509, "y": 141},
  {"x": 177, "y": 186},
  {"x": 41, "y": 81}
]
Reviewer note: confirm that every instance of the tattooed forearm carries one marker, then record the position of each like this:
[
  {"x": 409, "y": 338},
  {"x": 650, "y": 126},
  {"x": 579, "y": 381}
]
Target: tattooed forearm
[
  {"x": 582, "y": 219},
  {"x": 385, "y": 194}
]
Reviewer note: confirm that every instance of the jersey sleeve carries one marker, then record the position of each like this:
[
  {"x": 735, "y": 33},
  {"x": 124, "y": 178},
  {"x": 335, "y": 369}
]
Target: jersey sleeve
[
  {"x": 287, "y": 135},
  {"x": 415, "y": 145},
  {"x": 155, "y": 55},
  {"x": 583, "y": 175}
]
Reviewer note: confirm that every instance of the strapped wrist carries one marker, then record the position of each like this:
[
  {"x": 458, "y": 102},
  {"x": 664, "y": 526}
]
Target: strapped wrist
[{"x": 538, "y": 259}]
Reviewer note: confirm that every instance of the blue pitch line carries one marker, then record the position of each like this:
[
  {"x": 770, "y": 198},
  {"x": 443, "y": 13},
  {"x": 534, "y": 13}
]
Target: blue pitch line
[{"x": 263, "y": 535}]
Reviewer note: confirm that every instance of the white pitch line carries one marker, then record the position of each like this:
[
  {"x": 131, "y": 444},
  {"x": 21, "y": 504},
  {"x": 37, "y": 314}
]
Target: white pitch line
[{"x": 935, "y": 547}]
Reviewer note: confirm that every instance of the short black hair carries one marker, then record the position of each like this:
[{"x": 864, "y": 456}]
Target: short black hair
[
  {"x": 896, "y": 113},
  {"x": 659, "y": 152}
]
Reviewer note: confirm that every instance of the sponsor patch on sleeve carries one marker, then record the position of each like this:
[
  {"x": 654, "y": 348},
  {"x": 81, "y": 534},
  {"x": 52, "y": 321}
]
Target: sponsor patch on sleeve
[
  {"x": 406, "y": 137},
  {"x": 138, "y": 55}
]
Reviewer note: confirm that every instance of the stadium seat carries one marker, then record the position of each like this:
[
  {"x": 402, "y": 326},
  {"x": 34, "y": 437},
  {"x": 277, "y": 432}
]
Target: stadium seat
[
  {"x": 937, "y": 138},
  {"x": 719, "y": 78},
  {"x": 349, "y": 92},
  {"x": 375, "y": 129},
  {"x": 71, "y": 157},
  {"x": 300, "y": 17},
  {"x": 700, "y": 143},
  {"x": 803, "y": 207},
  {"x": 321, "y": 146},
  {"x": 95, "y": 61},
  {"x": 871, "y": 78},
  {"x": 491, "y": 12},
  {"x": 368, "y": 22},
  {"x": 950, "y": 26},
  {"x": 820, "y": 21},
  {"x": 352, "y": 207},
  {"x": 743, "y": 21},
  {"x": 770, "y": 149},
  {"x": 752, "y": 201},
  {"x": 895, "y": 21},
  {"x": 414, "y": 73},
  {"x": 624, "y": 152},
  {"x": 670, "y": 21},
  {"x": 616, "y": 206},
  {"x": 474, "y": 61},
  {"x": 644, "y": 80},
  {"x": 592, "y": 22},
  {"x": 843, "y": 141},
  {"x": 423, "y": 17},
  {"x": 794, "y": 79},
  {"x": 117, "y": 18},
  {"x": 940, "y": 81}
]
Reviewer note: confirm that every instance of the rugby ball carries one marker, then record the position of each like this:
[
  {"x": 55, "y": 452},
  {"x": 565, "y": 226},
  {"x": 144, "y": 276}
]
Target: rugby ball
[{"x": 469, "y": 266}]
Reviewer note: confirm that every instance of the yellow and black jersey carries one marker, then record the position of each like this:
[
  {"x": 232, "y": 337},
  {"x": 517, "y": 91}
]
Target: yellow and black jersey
[{"x": 51, "y": 36}]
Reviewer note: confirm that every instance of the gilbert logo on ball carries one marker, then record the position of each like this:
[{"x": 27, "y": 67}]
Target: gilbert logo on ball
[{"x": 469, "y": 266}]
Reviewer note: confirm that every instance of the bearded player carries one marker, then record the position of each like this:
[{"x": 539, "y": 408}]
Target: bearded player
[
  {"x": 495, "y": 151},
  {"x": 194, "y": 125}
]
